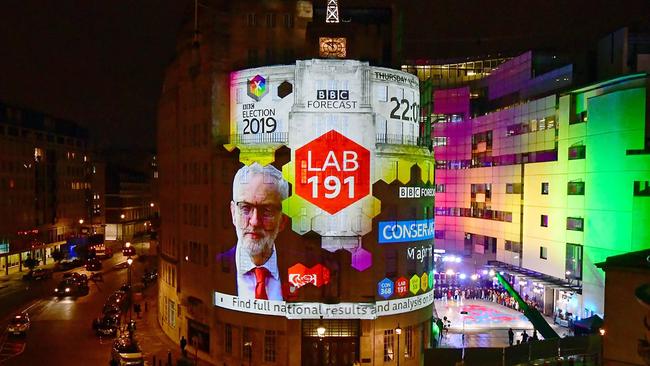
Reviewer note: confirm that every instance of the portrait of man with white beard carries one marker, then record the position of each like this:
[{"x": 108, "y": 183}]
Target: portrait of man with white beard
[{"x": 256, "y": 210}]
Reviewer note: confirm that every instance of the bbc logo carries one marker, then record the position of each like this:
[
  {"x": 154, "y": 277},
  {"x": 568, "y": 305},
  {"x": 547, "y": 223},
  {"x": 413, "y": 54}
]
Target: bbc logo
[
  {"x": 324, "y": 94},
  {"x": 409, "y": 192}
]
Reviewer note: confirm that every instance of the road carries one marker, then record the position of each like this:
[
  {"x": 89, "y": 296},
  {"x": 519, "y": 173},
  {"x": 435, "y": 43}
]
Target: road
[{"x": 61, "y": 332}]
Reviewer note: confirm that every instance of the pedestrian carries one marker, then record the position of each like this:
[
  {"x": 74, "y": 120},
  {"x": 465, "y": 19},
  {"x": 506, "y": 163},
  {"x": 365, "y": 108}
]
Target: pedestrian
[
  {"x": 535, "y": 337},
  {"x": 441, "y": 327},
  {"x": 511, "y": 336},
  {"x": 183, "y": 345},
  {"x": 524, "y": 337}
]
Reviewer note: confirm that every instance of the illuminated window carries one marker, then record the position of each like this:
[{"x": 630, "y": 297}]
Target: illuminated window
[
  {"x": 389, "y": 343},
  {"x": 408, "y": 341},
  {"x": 544, "y": 221},
  {"x": 577, "y": 152},
  {"x": 575, "y": 223},
  {"x": 269, "y": 346},
  {"x": 543, "y": 252},
  {"x": 514, "y": 188},
  {"x": 573, "y": 267},
  {"x": 576, "y": 188},
  {"x": 544, "y": 187}
]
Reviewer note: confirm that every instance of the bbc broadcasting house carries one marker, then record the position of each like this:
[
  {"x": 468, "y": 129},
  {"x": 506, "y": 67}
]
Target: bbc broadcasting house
[{"x": 538, "y": 174}]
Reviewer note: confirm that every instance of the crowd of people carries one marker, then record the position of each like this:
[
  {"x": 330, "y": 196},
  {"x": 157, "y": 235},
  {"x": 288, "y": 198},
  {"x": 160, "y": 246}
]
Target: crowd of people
[{"x": 492, "y": 293}]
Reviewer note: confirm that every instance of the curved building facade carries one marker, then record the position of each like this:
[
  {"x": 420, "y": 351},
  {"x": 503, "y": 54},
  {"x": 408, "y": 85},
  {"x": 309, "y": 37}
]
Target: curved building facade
[{"x": 296, "y": 206}]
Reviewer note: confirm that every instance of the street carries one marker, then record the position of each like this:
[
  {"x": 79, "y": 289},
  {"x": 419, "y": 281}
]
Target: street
[{"x": 61, "y": 330}]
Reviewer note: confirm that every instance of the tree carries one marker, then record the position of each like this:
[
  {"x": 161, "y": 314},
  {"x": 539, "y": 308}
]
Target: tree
[
  {"x": 57, "y": 255},
  {"x": 30, "y": 262}
]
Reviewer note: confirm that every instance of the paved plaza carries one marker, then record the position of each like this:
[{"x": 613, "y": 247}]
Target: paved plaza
[{"x": 486, "y": 323}]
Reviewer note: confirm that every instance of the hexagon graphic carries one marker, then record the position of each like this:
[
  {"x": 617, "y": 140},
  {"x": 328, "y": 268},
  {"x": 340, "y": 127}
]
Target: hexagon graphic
[
  {"x": 385, "y": 288},
  {"x": 332, "y": 172},
  {"x": 424, "y": 281},
  {"x": 401, "y": 287},
  {"x": 257, "y": 87},
  {"x": 285, "y": 88},
  {"x": 414, "y": 284},
  {"x": 361, "y": 259},
  {"x": 432, "y": 281}
]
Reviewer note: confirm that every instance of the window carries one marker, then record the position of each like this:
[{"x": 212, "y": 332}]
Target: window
[
  {"x": 408, "y": 341},
  {"x": 228, "y": 338},
  {"x": 270, "y": 20},
  {"x": 389, "y": 343},
  {"x": 247, "y": 345},
  {"x": 439, "y": 234},
  {"x": 288, "y": 20},
  {"x": 251, "y": 19},
  {"x": 576, "y": 188},
  {"x": 577, "y": 152},
  {"x": 641, "y": 188},
  {"x": 269, "y": 346},
  {"x": 575, "y": 223},
  {"x": 512, "y": 188},
  {"x": 171, "y": 313},
  {"x": 543, "y": 252},
  {"x": 544, "y": 221},
  {"x": 544, "y": 187},
  {"x": 440, "y": 188},
  {"x": 573, "y": 265}
]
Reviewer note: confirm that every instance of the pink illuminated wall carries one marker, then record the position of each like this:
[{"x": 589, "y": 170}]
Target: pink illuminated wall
[{"x": 451, "y": 101}]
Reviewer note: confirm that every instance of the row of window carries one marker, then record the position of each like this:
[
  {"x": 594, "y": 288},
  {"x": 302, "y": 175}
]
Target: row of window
[
  {"x": 195, "y": 173},
  {"x": 40, "y": 136},
  {"x": 195, "y": 252},
  {"x": 474, "y": 212},
  {"x": 572, "y": 223},
  {"x": 253, "y": 20},
  {"x": 270, "y": 343},
  {"x": 193, "y": 215},
  {"x": 484, "y": 160},
  {"x": 532, "y": 126},
  {"x": 573, "y": 260}
]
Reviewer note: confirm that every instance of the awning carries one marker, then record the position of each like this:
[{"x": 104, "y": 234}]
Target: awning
[{"x": 549, "y": 281}]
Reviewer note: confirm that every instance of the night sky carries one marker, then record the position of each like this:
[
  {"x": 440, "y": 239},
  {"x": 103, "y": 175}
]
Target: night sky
[{"x": 101, "y": 63}]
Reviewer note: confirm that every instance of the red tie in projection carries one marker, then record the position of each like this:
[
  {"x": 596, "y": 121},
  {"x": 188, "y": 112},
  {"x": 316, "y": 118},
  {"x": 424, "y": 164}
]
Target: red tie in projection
[{"x": 260, "y": 283}]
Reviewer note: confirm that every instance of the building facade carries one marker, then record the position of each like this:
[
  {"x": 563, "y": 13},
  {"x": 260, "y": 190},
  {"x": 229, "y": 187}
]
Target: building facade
[
  {"x": 45, "y": 185},
  {"x": 512, "y": 172},
  {"x": 195, "y": 121}
]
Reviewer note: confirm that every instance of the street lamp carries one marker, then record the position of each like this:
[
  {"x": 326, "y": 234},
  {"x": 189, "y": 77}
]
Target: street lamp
[
  {"x": 81, "y": 221},
  {"x": 463, "y": 313},
  {"x": 129, "y": 261},
  {"x": 398, "y": 331}
]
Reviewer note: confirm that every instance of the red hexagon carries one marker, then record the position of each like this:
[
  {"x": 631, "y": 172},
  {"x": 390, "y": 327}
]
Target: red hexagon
[{"x": 332, "y": 172}]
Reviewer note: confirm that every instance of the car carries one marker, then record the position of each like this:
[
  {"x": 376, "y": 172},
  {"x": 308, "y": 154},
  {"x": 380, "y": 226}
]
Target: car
[
  {"x": 126, "y": 351},
  {"x": 107, "y": 324},
  {"x": 67, "y": 287},
  {"x": 69, "y": 264},
  {"x": 93, "y": 265},
  {"x": 118, "y": 299},
  {"x": 19, "y": 325},
  {"x": 38, "y": 274}
]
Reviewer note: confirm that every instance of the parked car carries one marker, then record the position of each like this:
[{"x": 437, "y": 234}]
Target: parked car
[
  {"x": 126, "y": 351},
  {"x": 107, "y": 324},
  {"x": 118, "y": 299},
  {"x": 94, "y": 264},
  {"x": 38, "y": 274},
  {"x": 19, "y": 325}
]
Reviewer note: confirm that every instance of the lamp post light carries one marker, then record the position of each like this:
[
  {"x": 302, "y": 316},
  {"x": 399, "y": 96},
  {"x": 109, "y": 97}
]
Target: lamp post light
[
  {"x": 249, "y": 346},
  {"x": 129, "y": 261},
  {"x": 463, "y": 313},
  {"x": 398, "y": 331}
]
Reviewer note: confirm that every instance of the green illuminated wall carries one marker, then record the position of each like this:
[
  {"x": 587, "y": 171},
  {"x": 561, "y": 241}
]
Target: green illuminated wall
[{"x": 615, "y": 220}]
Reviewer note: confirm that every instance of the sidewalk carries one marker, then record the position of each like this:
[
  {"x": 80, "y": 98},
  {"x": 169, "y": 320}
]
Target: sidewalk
[{"x": 152, "y": 340}]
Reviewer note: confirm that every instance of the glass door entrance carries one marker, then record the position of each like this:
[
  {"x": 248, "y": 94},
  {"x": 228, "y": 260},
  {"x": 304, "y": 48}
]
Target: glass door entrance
[{"x": 338, "y": 346}]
